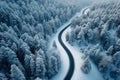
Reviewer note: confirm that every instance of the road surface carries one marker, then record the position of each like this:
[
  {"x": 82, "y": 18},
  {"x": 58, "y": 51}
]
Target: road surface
[{"x": 72, "y": 64}]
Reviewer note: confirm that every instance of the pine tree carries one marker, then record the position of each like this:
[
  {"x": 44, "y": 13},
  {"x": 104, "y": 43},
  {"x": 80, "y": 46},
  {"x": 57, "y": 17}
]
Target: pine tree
[
  {"x": 3, "y": 77},
  {"x": 118, "y": 31},
  {"x": 32, "y": 65},
  {"x": 27, "y": 64},
  {"x": 16, "y": 73},
  {"x": 40, "y": 66},
  {"x": 38, "y": 78},
  {"x": 53, "y": 66}
]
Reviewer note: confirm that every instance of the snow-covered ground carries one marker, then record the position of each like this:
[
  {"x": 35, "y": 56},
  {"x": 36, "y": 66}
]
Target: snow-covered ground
[
  {"x": 63, "y": 55},
  {"x": 78, "y": 74}
]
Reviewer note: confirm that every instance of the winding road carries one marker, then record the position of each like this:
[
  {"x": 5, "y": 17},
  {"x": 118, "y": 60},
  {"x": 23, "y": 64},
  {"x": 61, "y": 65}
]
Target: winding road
[
  {"x": 71, "y": 57},
  {"x": 72, "y": 64}
]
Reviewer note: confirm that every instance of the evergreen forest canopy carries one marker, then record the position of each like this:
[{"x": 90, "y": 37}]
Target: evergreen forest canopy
[
  {"x": 25, "y": 30},
  {"x": 97, "y": 34}
]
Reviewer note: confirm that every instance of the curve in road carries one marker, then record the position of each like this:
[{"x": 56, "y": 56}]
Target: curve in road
[
  {"x": 72, "y": 63},
  {"x": 71, "y": 59}
]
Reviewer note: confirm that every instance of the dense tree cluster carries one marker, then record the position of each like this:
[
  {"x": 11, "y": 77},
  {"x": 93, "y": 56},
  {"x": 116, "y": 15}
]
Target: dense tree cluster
[
  {"x": 86, "y": 67},
  {"x": 98, "y": 35},
  {"x": 25, "y": 29}
]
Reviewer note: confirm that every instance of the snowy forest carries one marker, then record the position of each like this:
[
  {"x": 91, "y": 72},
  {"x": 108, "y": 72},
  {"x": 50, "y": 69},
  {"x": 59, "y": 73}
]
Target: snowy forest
[
  {"x": 25, "y": 29},
  {"x": 59, "y": 40},
  {"x": 97, "y": 34}
]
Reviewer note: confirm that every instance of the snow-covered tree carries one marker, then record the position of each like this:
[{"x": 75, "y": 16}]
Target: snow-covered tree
[
  {"x": 116, "y": 48},
  {"x": 39, "y": 28},
  {"x": 118, "y": 42},
  {"x": 96, "y": 37},
  {"x": 75, "y": 21},
  {"x": 3, "y": 77},
  {"x": 27, "y": 64},
  {"x": 54, "y": 44},
  {"x": 53, "y": 64},
  {"x": 30, "y": 41},
  {"x": 110, "y": 50},
  {"x": 89, "y": 35},
  {"x": 14, "y": 47},
  {"x": 116, "y": 58},
  {"x": 38, "y": 78},
  {"x": 81, "y": 37},
  {"x": 86, "y": 67},
  {"x": 16, "y": 73},
  {"x": 105, "y": 40},
  {"x": 40, "y": 66},
  {"x": 11, "y": 57},
  {"x": 118, "y": 31},
  {"x": 25, "y": 29},
  {"x": 32, "y": 65},
  {"x": 67, "y": 36},
  {"x": 105, "y": 63},
  {"x": 3, "y": 27},
  {"x": 23, "y": 49},
  {"x": 53, "y": 67}
]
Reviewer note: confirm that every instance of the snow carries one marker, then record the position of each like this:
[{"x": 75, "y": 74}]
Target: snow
[
  {"x": 113, "y": 34},
  {"x": 63, "y": 55},
  {"x": 87, "y": 11},
  {"x": 64, "y": 62},
  {"x": 78, "y": 74}
]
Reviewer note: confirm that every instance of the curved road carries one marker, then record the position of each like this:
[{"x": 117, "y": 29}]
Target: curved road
[
  {"x": 72, "y": 70},
  {"x": 71, "y": 59},
  {"x": 72, "y": 64}
]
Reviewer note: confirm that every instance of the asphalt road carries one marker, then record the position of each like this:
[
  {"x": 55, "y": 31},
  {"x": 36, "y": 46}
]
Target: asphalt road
[
  {"x": 72, "y": 63},
  {"x": 71, "y": 59}
]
